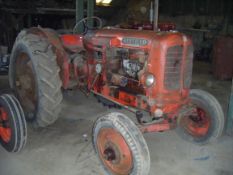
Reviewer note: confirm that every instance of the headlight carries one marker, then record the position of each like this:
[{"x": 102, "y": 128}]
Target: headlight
[
  {"x": 149, "y": 80},
  {"x": 158, "y": 113}
]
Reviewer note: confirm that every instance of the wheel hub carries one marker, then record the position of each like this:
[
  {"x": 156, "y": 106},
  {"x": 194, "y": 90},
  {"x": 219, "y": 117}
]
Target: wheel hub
[
  {"x": 25, "y": 83},
  {"x": 114, "y": 151},
  {"x": 5, "y": 130},
  {"x": 197, "y": 124},
  {"x": 109, "y": 154}
]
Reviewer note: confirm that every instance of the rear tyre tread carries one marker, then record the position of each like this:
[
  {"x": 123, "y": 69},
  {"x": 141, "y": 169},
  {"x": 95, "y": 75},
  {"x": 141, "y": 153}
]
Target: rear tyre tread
[{"x": 48, "y": 81}]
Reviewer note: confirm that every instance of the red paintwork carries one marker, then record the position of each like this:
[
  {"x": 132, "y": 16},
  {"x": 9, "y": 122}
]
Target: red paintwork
[
  {"x": 169, "y": 101},
  {"x": 166, "y": 26},
  {"x": 198, "y": 123},
  {"x": 101, "y": 41},
  {"x": 157, "y": 127},
  {"x": 162, "y": 26},
  {"x": 61, "y": 54},
  {"x": 109, "y": 138},
  {"x": 5, "y": 132},
  {"x": 72, "y": 42}
]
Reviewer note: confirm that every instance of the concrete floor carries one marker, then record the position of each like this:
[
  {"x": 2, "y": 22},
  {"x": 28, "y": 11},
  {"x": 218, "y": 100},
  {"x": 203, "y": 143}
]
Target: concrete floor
[{"x": 62, "y": 149}]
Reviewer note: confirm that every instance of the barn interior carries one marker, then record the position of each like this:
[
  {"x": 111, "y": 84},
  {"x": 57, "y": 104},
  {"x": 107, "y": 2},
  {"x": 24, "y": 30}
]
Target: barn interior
[{"x": 66, "y": 146}]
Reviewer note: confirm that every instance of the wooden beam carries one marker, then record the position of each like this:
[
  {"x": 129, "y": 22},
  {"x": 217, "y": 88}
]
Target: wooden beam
[
  {"x": 79, "y": 14},
  {"x": 90, "y": 12}
]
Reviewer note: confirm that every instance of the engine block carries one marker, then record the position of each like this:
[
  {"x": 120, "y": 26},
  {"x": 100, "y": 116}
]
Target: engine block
[{"x": 144, "y": 70}]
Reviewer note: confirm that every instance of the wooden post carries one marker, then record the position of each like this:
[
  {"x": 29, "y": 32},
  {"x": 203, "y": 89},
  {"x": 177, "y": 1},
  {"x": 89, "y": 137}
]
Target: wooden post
[
  {"x": 156, "y": 15},
  {"x": 90, "y": 12},
  {"x": 79, "y": 13}
]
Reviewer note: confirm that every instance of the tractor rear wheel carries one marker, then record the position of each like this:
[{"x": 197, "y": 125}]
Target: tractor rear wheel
[
  {"x": 13, "y": 129},
  {"x": 205, "y": 123},
  {"x": 120, "y": 145},
  {"x": 34, "y": 76}
]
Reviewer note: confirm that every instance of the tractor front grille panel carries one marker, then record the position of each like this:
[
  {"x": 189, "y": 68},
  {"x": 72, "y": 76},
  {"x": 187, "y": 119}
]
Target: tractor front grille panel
[
  {"x": 188, "y": 69},
  {"x": 172, "y": 74}
]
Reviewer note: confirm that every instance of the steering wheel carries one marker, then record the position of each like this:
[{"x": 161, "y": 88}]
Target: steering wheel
[{"x": 85, "y": 25}]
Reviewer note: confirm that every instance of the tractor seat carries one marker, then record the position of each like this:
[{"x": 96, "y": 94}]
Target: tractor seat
[{"x": 72, "y": 43}]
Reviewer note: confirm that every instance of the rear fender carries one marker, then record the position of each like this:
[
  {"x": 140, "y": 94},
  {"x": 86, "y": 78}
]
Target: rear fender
[{"x": 62, "y": 57}]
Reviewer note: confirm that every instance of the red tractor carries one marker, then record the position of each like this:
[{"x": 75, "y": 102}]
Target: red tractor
[{"x": 148, "y": 73}]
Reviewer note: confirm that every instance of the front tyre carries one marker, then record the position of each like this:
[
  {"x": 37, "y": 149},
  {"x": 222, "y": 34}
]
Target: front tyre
[
  {"x": 205, "y": 123},
  {"x": 120, "y": 145},
  {"x": 13, "y": 129}
]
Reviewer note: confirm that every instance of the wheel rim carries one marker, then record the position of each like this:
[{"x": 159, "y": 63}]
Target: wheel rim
[
  {"x": 114, "y": 151},
  {"x": 25, "y": 85},
  {"x": 198, "y": 123},
  {"x": 5, "y": 130}
]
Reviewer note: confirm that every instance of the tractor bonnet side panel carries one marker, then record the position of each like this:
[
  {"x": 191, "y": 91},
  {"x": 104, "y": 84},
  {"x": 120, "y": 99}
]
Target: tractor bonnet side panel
[{"x": 125, "y": 58}]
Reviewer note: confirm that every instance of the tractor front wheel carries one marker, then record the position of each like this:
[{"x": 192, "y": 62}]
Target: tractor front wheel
[
  {"x": 120, "y": 145},
  {"x": 205, "y": 123},
  {"x": 13, "y": 130}
]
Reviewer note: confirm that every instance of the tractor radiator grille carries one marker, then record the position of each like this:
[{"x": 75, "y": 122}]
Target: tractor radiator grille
[
  {"x": 173, "y": 65},
  {"x": 188, "y": 69}
]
